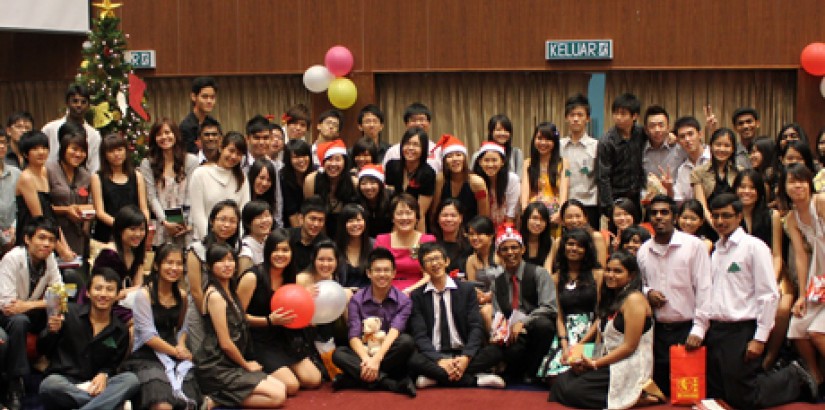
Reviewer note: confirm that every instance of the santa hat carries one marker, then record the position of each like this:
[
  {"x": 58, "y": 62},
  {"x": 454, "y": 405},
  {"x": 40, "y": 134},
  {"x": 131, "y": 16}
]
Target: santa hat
[
  {"x": 491, "y": 146},
  {"x": 450, "y": 144},
  {"x": 328, "y": 149},
  {"x": 370, "y": 170},
  {"x": 507, "y": 232}
]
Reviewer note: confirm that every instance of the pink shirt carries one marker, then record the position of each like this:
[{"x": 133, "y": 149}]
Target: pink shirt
[
  {"x": 681, "y": 271},
  {"x": 407, "y": 269}
]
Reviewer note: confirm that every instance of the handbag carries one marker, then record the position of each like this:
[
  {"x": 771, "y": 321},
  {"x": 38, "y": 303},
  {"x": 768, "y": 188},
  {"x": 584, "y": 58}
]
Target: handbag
[{"x": 687, "y": 375}]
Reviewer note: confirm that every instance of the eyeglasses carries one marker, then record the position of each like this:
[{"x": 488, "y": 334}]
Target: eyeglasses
[
  {"x": 227, "y": 220},
  {"x": 663, "y": 212},
  {"x": 432, "y": 259}
]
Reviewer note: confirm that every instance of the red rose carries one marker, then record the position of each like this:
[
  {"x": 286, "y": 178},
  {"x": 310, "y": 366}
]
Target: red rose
[{"x": 82, "y": 191}]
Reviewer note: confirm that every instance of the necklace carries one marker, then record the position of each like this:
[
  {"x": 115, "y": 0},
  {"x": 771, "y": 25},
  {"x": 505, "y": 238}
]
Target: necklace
[{"x": 571, "y": 284}]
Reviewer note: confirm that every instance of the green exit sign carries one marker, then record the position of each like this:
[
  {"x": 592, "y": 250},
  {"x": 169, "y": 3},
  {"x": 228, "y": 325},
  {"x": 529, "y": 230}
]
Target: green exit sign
[
  {"x": 141, "y": 59},
  {"x": 557, "y": 50}
]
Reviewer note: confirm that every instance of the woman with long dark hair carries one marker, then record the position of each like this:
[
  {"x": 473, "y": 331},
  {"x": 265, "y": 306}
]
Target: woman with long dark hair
[
  {"x": 264, "y": 186},
  {"x": 297, "y": 165},
  {"x": 160, "y": 358},
  {"x": 276, "y": 347},
  {"x": 577, "y": 279},
  {"x": 805, "y": 225},
  {"x": 573, "y": 216},
  {"x": 257, "y": 223},
  {"x": 166, "y": 170},
  {"x": 615, "y": 380},
  {"x": 354, "y": 243},
  {"x": 456, "y": 181},
  {"x": 412, "y": 174},
  {"x": 788, "y": 133},
  {"x": 129, "y": 237},
  {"x": 766, "y": 224},
  {"x": 223, "y": 367},
  {"x": 691, "y": 220},
  {"x": 535, "y": 229},
  {"x": 502, "y": 185},
  {"x": 500, "y": 131},
  {"x": 545, "y": 175},
  {"x": 716, "y": 176},
  {"x": 223, "y": 180},
  {"x": 374, "y": 198},
  {"x": 334, "y": 184},
  {"x": 482, "y": 265},
  {"x": 115, "y": 186}
]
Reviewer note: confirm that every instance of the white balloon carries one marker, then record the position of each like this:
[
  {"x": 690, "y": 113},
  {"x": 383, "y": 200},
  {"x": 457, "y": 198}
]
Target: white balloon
[
  {"x": 330, "y": 302},
  {"x": 317, "y": 78},
  {"x": 822, "y": 87}
]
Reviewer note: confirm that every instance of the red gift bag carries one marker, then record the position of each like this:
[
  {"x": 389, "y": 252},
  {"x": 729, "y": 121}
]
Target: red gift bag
[{"x": 687, "y": 375}]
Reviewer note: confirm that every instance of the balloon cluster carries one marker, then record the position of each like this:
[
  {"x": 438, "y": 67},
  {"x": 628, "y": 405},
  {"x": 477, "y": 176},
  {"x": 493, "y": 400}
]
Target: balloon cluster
[
  {"x": 327, "y": 305},
  {"x": 329, "y": 77},
  {"x": 813, "y": 62}
]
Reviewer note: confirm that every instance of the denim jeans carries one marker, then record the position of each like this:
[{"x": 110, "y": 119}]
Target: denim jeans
[{"x": 59, "y": 392}]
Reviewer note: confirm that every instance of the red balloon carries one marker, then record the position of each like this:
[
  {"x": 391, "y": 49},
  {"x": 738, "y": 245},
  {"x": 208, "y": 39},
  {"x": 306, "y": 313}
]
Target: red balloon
[
  {"x": 813, "y": 59},
  {"x": 298, "y": 300}
]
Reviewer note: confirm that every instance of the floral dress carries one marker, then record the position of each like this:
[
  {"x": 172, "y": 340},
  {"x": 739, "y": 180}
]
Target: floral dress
[{"x": 578, "y": 303}]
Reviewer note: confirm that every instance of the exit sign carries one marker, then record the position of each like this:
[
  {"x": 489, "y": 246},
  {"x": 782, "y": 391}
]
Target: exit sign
[
  {"x": 141, "y": 58},
  {"x": 578, "y": 50}
]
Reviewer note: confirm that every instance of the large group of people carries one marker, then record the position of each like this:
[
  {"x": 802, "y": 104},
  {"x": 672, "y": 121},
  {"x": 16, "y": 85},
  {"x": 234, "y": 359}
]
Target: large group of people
[{"x": 575, "y": 264}]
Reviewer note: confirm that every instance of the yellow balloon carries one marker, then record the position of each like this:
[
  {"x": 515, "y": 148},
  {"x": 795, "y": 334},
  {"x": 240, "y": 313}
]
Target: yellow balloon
[
  {"x": 342, "y": 93},
  {"x": 84, "y": 64}
]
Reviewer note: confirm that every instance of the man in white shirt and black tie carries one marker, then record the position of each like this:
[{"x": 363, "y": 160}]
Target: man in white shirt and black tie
[
  {"x": 448, "y": 331},
  {"x": 741, "y": 310}
]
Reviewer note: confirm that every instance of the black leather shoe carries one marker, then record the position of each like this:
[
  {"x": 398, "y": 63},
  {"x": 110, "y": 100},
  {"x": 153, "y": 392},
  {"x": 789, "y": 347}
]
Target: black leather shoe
[
  {"x": 14, "y": 399},
  {"x": 406, "y": 386}
]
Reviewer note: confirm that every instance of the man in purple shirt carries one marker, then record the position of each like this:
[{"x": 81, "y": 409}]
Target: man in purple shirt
[{"x": 387, "y": 368}]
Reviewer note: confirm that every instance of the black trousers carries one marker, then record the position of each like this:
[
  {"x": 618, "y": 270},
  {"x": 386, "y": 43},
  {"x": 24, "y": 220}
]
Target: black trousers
[
  {"x": 394, "y": 364},
  {"x": 17, "y": 327},
  {"x": 744, "y": 385},
  {"x": 524, "y": 356},
  {"x": 485, "y": 358},
  {"x": 593, "y": 216},
  {"x": 664, "y": 336}
]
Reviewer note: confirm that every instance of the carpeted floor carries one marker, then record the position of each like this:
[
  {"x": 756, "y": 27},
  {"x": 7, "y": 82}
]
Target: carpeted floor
[{"x": 451, "y": 399}]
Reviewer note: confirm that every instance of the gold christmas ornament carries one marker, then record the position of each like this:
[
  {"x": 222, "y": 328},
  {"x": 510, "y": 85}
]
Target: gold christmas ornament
[
  {"x": 84, "y": 64},
  {"x": 107, "y": 8},
  {"x": 103, "y": 116}
]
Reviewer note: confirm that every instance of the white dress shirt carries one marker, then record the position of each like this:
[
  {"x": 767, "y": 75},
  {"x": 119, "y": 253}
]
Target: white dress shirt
[
  {"x": 744, "y": 283},
  {"x": 455, "y": 339},
  {"x": 15, "y": 280},
  {"x": 682, "y": 190},
  {"x": 681, "y": 271},
  {"x": 581, "y": 159}
]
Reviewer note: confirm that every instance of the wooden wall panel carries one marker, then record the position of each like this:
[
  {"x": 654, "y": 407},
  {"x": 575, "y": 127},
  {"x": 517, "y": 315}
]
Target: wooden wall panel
[
  {"x": 209, "y": 34},
  {"x": 153, "y": 25},
  {"x": 268, "y": 41},
  {"x": 396, "y": 38}
]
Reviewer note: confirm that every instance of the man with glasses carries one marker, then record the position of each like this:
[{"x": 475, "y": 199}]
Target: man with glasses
[
  {"x": 740, "y": 309},
  {"x": 448, "y": 331},
  {"x": 385, "y": 369},
  {"x": 675, "y": 271},
  {"x": 18, "y": 124},
  {"x": 329, "y": 127},
  {"x": 209, "y": 135},
  {"x": 529, "y": 289}
]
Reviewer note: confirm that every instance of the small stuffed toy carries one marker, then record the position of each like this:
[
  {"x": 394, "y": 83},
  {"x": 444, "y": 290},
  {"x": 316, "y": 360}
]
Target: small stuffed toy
[{"x": 373, "y": 335}]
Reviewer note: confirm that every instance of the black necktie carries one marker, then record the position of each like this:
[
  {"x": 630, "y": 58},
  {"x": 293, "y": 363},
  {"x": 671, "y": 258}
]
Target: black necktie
[{"x": 445, "y": 326}]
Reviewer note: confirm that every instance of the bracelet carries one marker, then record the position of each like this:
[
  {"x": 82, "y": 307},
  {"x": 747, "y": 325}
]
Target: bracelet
[
  {"x": 268, "y": 321},
  {"x": 564, "y": 338}
]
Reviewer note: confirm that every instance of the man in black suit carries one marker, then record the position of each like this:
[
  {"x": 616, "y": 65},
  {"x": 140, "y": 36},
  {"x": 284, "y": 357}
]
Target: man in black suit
[{"x": 448, "y": 331}]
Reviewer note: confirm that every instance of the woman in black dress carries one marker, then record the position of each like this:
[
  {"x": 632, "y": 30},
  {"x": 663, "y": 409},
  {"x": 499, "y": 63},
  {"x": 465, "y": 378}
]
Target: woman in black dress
[
  {"x": 159, "y": 346},
  {"x": 278, "y": 349}
]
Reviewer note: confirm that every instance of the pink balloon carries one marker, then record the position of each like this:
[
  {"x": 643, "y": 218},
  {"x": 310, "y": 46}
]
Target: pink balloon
[{"x": 338, "y": 60}]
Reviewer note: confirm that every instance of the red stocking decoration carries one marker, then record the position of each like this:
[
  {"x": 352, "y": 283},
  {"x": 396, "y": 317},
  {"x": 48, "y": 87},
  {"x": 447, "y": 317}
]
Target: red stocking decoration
[{"x": 136, "y": 89}]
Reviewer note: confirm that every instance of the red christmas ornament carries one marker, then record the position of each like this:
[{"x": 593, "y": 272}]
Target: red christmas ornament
[{"x": 107, "y": 51}]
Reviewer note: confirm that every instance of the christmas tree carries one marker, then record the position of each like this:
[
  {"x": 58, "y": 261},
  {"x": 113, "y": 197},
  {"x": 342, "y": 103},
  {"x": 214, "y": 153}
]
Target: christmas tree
[{"x": 117, "y": 98}]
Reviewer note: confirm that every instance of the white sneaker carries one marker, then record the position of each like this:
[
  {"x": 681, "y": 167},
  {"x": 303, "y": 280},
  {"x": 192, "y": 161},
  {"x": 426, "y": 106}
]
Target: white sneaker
[
  {"x": 423, "y": 382},
  {"x": 490, "y": 380}
]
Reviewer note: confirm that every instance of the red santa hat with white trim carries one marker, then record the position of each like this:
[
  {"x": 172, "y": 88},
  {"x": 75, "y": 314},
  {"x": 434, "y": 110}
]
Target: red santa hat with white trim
[
  {"x": 328, "y": 149},
  {"x": 371, "y": 170}
]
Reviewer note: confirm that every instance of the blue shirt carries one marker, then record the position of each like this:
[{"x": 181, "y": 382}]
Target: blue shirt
[{"x": 393, "y": 311}]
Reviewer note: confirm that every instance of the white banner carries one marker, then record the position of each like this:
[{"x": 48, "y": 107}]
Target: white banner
[{"x": 64, "y": 16}]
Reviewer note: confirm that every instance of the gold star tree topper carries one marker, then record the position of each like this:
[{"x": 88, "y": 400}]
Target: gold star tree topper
[{"x": 107, "y": 8}]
